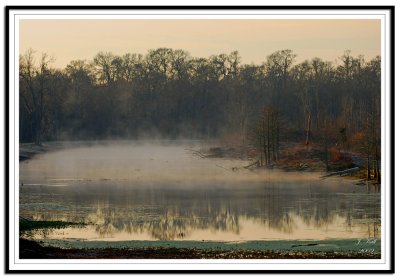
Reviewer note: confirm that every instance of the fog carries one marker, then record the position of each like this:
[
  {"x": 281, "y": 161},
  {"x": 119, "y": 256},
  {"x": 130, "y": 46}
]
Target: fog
[{"x": 142, "y": 162}]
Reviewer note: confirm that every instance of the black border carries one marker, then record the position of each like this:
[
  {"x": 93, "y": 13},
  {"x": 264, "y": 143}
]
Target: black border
[
  {"x": 6, "y": 140},
  {"x": 392, "y": 135}
]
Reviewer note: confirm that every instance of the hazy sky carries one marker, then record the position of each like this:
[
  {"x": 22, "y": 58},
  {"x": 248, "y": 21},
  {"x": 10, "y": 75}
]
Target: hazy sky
[{"x": 72, "y": 39}]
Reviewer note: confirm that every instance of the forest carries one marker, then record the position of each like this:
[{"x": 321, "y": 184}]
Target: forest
[{"x": 167, "y": 93}]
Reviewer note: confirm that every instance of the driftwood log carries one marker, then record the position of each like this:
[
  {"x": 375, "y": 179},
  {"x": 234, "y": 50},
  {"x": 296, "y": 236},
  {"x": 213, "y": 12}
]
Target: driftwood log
[
  {"x": 257, "y": 163},
  {"x": 341, "y": 173}
]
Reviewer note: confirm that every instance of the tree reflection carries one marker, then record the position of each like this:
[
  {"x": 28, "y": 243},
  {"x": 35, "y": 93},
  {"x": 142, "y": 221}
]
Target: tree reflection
[
  {"x": 173, "y": 223},
  {"x": 172, "y": 214}
]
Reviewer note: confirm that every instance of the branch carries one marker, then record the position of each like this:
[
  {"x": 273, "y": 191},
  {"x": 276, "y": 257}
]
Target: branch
[{"x": 339, "y": 173}]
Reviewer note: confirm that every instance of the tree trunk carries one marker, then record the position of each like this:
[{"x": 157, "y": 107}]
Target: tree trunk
[
  {"x": 273, "y": 136},
  {"x": 308, "y": 128},
  {"x": 277, "y": 136},
  {"x": 378, "y": 174},
  {"x": 368, "y": 168},
  {"x": 326, "y": 151},
  {"x": 264, "y": 145},
  {"x": 268, "y": 139}
]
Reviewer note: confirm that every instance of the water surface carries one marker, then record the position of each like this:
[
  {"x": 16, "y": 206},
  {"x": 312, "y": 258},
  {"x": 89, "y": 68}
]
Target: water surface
[{"x": 162, "y": 191}]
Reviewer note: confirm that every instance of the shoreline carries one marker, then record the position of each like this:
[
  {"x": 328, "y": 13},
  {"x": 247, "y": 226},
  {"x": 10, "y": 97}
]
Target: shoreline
[
  {"x": 204, "y": 250},
  {"x": 45, "y": 248}
]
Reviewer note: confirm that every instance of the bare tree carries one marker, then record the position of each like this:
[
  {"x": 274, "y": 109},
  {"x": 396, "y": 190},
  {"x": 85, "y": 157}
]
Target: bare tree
[{"x": 33, "y": 88}]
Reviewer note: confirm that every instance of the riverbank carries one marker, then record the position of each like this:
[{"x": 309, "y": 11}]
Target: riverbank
[
  {"x": 329, "y": 249},
  {"x": 293, "y": 157},
  {"x": 297, "y": 157},
  {"x": 29, "y": 150},
  {"x": 68, "y": 248}
]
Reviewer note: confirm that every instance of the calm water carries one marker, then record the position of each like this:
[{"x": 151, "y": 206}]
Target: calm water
[{"x": 162, "y": 191}]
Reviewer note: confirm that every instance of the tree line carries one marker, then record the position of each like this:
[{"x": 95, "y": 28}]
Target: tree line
[{"x": 169, "y": 93}]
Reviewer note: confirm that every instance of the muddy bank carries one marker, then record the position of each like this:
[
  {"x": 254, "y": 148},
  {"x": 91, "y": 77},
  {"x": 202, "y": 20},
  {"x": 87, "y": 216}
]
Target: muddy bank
[
  {"x": 69, "y": 248},
  {"x": 33, "y": 250},
  {"x": 294, "y": 157},
  {"x": 29, "y": 150}
]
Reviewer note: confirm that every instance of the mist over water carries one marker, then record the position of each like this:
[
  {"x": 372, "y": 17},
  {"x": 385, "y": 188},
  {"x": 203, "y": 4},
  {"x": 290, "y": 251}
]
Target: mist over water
[
  {"x": 158, "y": 161},
  {"x": 156, "y": 190}
]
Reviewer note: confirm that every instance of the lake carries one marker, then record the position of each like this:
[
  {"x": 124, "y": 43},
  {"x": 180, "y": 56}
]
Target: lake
[{"x": 161, "y": 190}]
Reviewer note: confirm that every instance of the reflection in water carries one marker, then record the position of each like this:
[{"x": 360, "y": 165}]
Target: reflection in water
[
  {"x": 221, "y": 206},
  {"x": 170, "y": 214}
]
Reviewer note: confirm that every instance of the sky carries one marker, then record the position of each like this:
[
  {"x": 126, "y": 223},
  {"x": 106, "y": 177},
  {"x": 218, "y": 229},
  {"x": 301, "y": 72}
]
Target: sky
[{"x": 255, "y": 39}]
